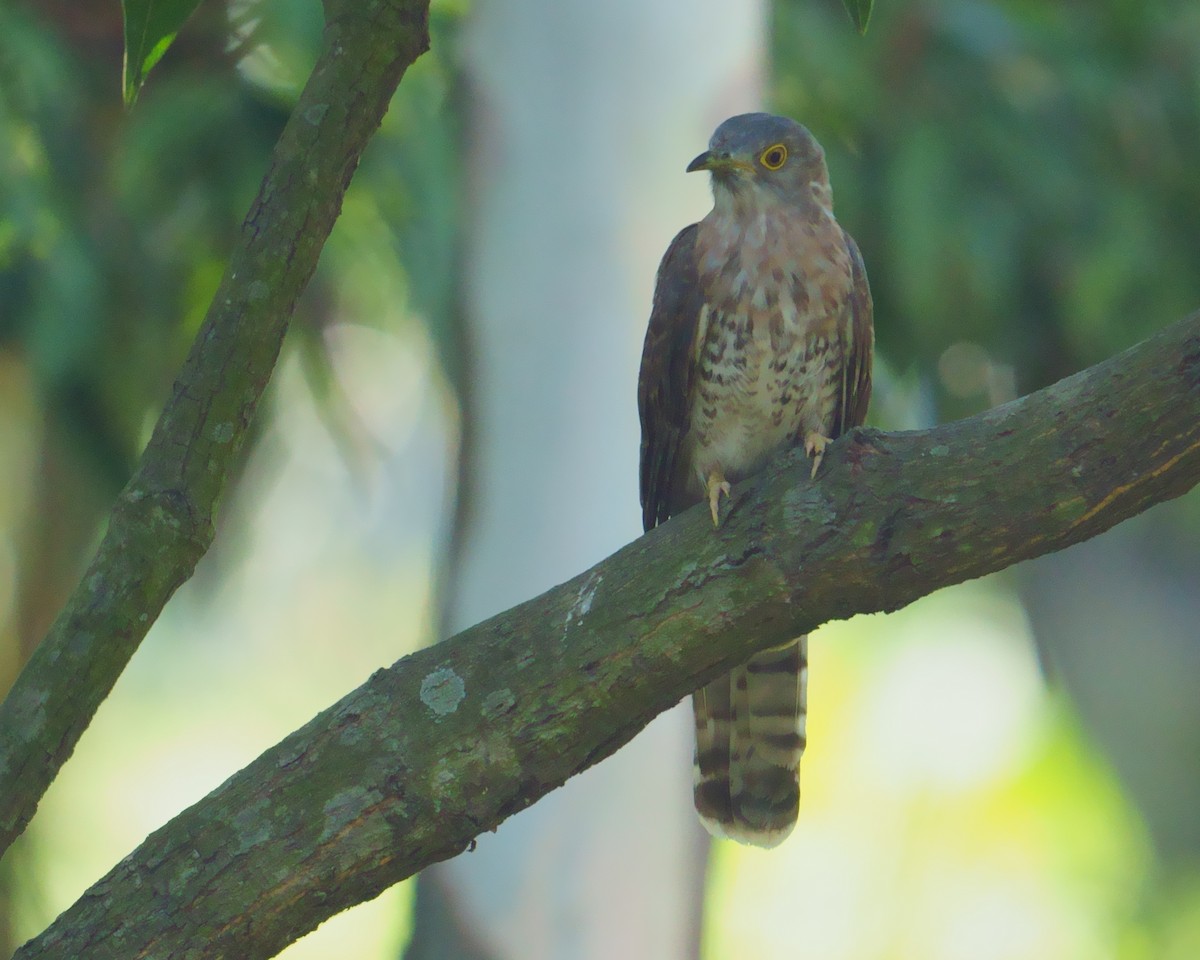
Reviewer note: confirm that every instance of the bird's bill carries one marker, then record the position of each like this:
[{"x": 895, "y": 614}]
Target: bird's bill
[{"x": 717, "y": 163}]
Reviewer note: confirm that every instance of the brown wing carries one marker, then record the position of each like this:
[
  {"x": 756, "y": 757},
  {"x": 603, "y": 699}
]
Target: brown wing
[
  {"x": 667, "y": 374},
  {"x": 859, "y": 330}
]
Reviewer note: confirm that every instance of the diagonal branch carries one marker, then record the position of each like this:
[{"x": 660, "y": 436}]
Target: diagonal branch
[
  {"x": 407, "y": 769},
  {"x": 162, "y": 522}
]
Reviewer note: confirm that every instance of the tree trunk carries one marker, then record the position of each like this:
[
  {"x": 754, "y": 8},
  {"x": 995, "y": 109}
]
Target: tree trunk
[{"x": 580, "y": 186}]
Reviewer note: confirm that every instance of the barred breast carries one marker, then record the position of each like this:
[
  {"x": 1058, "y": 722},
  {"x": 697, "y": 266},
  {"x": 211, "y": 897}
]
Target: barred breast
[{"x": 769, "y": 355}]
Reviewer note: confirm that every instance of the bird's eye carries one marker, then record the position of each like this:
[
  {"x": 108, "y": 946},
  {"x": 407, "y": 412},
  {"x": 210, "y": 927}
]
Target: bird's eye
[{"x": 773, "y": 157}]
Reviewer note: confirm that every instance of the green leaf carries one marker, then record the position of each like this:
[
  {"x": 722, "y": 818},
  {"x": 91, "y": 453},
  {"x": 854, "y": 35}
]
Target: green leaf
[
  {"x": 860, "y": 13},
  {"x": 150, "y": 26}
]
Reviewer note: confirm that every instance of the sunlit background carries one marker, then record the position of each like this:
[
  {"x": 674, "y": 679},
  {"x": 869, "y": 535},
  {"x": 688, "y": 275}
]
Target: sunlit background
[{"x": 1007, "y": 769}]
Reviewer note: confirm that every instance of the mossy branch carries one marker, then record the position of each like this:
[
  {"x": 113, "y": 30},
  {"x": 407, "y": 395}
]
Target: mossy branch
[
  {"x": 409, "y": 768},
  {"x": 162, "y": 523}
]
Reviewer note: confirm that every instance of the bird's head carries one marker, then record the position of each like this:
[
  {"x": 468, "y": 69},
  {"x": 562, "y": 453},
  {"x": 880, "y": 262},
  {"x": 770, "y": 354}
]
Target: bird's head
[{"x": 762, "y": 155}]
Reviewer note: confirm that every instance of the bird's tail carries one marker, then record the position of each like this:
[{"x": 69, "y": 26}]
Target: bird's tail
[{"x": 749, "y": 739}]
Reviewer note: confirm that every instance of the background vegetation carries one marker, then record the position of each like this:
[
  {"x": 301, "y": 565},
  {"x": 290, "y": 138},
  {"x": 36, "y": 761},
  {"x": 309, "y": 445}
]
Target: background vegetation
[{"x": 1021, "y": 178}]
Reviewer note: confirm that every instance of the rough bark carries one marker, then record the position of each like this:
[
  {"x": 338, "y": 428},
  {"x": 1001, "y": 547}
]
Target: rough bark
[
  {"x": 162, "y": 522},
  {"x": 409, "y": 768}
]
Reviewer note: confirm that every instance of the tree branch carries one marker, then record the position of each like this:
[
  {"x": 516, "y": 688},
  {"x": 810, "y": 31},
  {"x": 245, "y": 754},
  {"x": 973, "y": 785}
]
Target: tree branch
[
  {"x": 162, "y": 522},
  {"x": 449, "y": 742}
]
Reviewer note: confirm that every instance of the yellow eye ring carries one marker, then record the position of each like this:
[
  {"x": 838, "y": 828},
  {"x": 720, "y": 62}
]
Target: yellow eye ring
[{"x": 774, "y": 156}]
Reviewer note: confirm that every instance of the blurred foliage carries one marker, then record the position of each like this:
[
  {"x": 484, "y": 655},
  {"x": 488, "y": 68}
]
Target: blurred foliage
[
  {"x": 115, "y": 227},
  {"x": 1019, "y": 175}
]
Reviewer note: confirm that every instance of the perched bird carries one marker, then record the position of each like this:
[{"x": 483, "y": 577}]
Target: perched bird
[{"x": 760, "y": 338}]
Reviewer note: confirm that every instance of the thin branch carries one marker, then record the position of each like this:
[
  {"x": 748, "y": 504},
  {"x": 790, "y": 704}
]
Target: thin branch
[
  {"x": 162, "y": 522},
  {"x": 451, "y": 741}
]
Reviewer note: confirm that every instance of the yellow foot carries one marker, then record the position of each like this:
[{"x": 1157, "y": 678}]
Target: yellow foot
[
  {"x": 717, "y": 485},
  {"x": 814, "y": 445}
]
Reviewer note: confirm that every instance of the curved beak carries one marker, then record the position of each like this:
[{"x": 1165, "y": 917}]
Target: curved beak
[{"x": 719, "y": 163}]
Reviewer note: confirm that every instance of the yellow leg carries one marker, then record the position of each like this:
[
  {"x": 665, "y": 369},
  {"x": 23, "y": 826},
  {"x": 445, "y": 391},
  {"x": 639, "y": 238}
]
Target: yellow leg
[
  {"x": 717, "y": 485},
  {"x": 814, "y": 446}
]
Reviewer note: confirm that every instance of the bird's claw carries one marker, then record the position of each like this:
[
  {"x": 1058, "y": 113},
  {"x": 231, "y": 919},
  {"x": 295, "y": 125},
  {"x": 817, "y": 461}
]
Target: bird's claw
[
  {"x": 717, "y": 485},
  {"x": 814, "y": 446}
]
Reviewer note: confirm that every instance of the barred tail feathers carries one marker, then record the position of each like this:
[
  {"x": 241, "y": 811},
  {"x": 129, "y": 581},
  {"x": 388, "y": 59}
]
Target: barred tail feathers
[{"x": 750, "y": 735}]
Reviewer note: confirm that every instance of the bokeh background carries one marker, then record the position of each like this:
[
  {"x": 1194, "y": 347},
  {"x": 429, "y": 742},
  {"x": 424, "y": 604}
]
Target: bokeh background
[{"x": 1007, "y": 769}]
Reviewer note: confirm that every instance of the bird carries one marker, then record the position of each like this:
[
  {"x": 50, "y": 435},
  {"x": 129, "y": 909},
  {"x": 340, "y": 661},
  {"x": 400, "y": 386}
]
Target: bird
[{"x": 760, "y": 339}]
